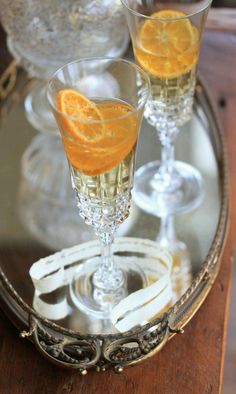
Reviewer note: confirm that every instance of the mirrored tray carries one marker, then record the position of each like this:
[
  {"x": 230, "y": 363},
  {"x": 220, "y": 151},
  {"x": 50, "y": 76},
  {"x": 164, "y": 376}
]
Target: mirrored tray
[{"x": 39, "y": 218}]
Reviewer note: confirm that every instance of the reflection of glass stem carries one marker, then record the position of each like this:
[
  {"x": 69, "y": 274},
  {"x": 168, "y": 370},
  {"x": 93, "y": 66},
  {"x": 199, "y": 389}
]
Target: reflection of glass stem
[
  {"x": 167, "y": 236},
  {"x": 181, "y": 271}
]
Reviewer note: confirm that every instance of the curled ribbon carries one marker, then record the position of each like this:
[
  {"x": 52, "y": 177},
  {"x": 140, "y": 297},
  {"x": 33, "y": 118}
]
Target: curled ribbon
[{"x": 57, "y": 270}]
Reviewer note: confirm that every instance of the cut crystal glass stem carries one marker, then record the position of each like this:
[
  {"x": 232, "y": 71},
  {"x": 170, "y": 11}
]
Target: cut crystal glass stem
[
  {"x": 167, "y": 179},
  {"x": 168, "y": 157},
  {"x": 108, "y": 277}
]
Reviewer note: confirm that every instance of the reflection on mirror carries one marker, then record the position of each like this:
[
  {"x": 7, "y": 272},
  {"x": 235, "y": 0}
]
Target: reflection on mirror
[{"x": 181, "y": 273}]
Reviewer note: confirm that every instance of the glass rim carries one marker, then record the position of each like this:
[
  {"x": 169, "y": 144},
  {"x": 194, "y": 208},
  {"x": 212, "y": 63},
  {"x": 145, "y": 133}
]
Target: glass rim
[
  {"x": 149, "y": 17},
  {"x": 96, "y": 121}
]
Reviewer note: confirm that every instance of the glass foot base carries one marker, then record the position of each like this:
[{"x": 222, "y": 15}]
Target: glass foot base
[
  {"x": 37, "y": 110},
  {"x": 186, "y": 197},
  {"x": 98, "y": 302}
]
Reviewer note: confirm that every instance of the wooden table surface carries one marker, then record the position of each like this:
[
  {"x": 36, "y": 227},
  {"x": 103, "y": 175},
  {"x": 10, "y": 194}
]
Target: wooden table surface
[{"x": 190, "y": 363}]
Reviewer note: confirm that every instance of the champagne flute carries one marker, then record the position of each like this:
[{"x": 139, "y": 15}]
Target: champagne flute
[
  {"x": 99, "y": 129},
  {"x": 166, "y": 37}
]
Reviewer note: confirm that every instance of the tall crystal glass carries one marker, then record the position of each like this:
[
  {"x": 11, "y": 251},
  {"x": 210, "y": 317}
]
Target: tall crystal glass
[
  {"x": 100, "y": 143},
  {"x": 166, "y": 37}
]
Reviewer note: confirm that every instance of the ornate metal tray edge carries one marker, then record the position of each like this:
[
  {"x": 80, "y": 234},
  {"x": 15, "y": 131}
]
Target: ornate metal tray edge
[
  {"x": 70, "y": 349},
  {"x": 193, "y": 298}
]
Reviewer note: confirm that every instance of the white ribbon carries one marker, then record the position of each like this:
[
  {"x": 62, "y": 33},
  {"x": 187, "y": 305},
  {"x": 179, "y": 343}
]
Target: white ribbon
[{"x": 52, "y": 272}]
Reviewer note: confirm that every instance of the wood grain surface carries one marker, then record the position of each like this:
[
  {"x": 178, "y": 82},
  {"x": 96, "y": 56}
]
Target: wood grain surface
[{"x": 190, "y": 363}]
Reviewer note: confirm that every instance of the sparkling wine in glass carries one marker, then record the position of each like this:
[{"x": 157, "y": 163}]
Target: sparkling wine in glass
[{"x": 99, "y": 129}]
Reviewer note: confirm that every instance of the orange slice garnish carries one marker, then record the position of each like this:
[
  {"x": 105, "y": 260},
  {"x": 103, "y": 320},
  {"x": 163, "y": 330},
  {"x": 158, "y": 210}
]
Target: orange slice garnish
[
  {"x": 167, "y": 47},
  {"x": 95, "y": 148},
  {"x": 80, "y": 113}
]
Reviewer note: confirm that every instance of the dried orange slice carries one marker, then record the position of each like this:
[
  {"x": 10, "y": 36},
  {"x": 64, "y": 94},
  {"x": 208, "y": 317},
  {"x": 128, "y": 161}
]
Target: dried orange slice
[
  {"x": 74, "y": 105},
  {"x": 168, "y": 47},
  {"x": 119, "y": 138}
]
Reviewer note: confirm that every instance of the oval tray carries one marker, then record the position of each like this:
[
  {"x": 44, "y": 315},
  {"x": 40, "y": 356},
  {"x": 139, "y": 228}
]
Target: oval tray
[{"x": 20, "y": 245}]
